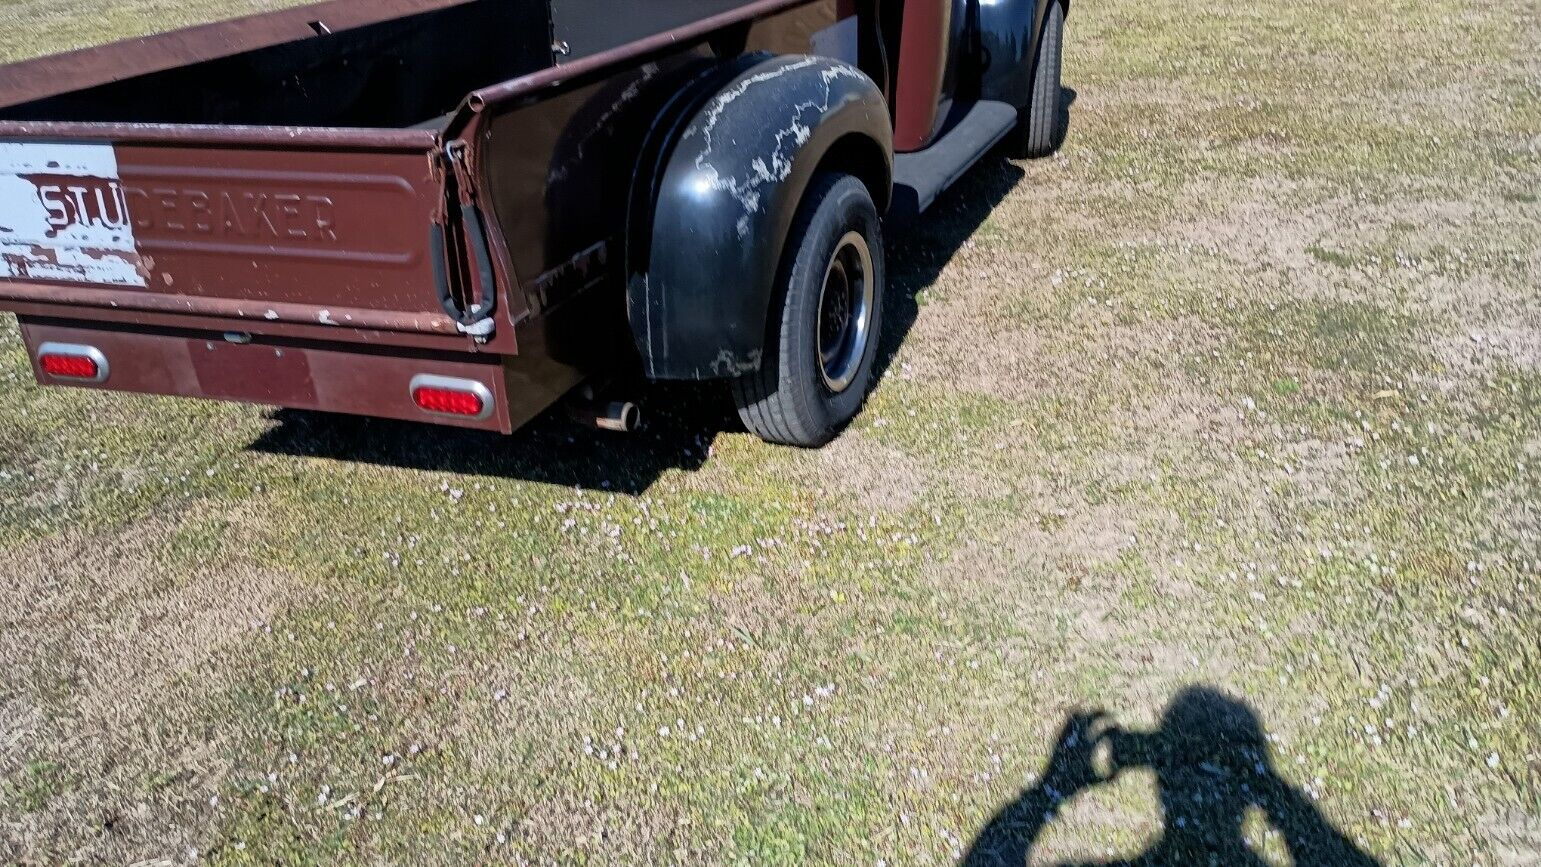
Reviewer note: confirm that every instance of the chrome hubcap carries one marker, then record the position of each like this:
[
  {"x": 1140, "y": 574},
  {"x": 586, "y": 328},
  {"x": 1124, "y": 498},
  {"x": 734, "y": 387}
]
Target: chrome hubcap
[{"x": 845, "y": 312}]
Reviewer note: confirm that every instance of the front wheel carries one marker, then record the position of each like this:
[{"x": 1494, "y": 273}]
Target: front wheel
[
  {"x": 824, "y": 320},
  {"x": 1044, "y": 121}
]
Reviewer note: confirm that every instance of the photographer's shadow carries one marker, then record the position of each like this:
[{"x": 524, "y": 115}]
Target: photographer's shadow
[{"x": 1212, "y": 766}]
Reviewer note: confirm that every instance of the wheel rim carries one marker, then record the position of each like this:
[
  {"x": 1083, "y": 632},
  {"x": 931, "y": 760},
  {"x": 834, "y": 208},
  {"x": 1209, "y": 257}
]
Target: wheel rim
[{"x": 845, "y": 312}]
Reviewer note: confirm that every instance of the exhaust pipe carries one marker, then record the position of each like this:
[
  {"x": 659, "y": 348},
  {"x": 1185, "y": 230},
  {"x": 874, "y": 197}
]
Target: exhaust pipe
[{"x": 620, "y": 416}]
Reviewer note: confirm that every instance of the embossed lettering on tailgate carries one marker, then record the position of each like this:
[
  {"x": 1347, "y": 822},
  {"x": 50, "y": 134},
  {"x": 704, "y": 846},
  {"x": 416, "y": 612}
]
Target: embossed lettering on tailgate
[{"x": 331, "y": 237}]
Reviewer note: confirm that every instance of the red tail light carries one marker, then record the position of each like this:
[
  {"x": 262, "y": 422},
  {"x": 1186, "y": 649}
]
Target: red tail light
[
  {"x": 71, "y": 361},
  {"x": 444, "y": 395},
  {"x": 72, "y": 366},
  {"x": 448, "y": 401}
]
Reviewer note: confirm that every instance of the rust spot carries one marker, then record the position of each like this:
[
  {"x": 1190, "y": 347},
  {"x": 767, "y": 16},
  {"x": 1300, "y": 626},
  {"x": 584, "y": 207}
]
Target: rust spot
[
  {"x": 18, "y": 265},
  {"x": 43, "y": 254}
]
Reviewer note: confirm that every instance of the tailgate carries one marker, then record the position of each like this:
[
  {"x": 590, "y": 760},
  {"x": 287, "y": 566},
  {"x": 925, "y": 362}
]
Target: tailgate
[{"x": 305, "y": 229}]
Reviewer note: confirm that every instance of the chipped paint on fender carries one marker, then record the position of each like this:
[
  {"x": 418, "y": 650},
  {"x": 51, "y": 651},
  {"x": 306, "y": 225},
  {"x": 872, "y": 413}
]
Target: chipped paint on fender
[
  {"x": 776, "y": 165},
  {"x": 729, "y": 365}
]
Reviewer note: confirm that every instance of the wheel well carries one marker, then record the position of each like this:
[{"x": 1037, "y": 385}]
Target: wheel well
[{"x": 858, "y": 155}]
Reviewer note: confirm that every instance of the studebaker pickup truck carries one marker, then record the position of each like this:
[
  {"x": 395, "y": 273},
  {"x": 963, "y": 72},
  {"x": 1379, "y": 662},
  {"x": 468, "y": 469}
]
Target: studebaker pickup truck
[{"x": 459, "y": 211}]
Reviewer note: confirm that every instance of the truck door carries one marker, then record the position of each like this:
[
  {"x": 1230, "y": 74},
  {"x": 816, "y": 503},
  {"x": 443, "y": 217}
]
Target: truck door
[{"x": 932, "y": 42}]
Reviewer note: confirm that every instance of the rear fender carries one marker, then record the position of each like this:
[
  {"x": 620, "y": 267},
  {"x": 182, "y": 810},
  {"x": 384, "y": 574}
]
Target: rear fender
[{"x": 701, "y": 272}]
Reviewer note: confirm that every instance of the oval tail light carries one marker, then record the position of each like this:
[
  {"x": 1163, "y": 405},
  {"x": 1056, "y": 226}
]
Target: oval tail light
[
  {"x": 72, "y": 361},
  {"x": 451, "y": 396}
]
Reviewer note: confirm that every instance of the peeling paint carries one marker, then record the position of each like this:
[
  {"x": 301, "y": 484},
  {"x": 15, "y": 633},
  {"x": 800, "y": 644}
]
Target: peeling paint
[
  {"x": 643, "y": 283},
  {"x": 795, "y": 130},
  {"x": 728, "y": 364},
  {"x": 65, "y": 215},
  {"x": 602, "y": 124}
]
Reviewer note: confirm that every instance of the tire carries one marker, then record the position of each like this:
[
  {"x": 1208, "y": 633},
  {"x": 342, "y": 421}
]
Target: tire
[
  {"x": 817, "y": 364},
  {"x": 1044, "y": 120}
]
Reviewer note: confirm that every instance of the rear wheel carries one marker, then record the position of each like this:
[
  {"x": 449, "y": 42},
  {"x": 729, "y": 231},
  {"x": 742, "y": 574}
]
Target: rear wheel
[
  {"x": 1043, "y": 122},
  {"x": 824, "y": 321}
]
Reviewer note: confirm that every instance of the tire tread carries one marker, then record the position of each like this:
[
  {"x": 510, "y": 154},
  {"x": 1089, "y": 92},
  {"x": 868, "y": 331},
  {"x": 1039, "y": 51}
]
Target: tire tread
[
  {"x": 1041, "y": 130},
  {"x": 768, "y": 404}
]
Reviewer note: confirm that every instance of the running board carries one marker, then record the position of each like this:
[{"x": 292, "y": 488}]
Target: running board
[{"x": 921, "y": 176}]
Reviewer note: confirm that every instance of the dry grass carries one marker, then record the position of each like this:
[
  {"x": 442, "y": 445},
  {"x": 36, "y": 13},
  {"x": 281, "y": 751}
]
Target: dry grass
[
  {"x": 1239, "y": 391},
  {"x": 112, "y": 655}
]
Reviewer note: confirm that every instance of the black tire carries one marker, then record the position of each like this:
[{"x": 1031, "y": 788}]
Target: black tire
[
  {"x": 812, "y": 380},
  {"x": 1045, "y": 120}
]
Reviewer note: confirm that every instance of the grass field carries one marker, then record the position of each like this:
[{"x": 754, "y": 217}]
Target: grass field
[{"x": 1234, "y": 407}]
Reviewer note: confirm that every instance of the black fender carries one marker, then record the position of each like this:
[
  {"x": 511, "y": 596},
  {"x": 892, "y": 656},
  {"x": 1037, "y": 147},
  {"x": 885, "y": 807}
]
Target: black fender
[
  {"x": 1009, "y": 33},
  {"x": 700, "y": 276}
]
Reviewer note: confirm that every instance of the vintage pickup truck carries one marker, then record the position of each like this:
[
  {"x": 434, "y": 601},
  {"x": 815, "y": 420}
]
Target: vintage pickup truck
[{"x": 459, "y": 211}]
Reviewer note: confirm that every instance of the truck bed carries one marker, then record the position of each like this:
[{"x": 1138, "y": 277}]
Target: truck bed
[
  {"x": 346, "y": 63},
  {"x": 281, "y": 173}
]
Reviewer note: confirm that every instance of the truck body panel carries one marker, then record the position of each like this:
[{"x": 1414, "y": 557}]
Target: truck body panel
[
  {"x": 318, "y": 207},
  {"x": 297, "y": 374},
  {"x": 337, "y": 238}
]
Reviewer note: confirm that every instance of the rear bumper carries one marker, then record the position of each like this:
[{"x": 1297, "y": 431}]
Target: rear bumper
[{"x": 351, "y": 379}]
